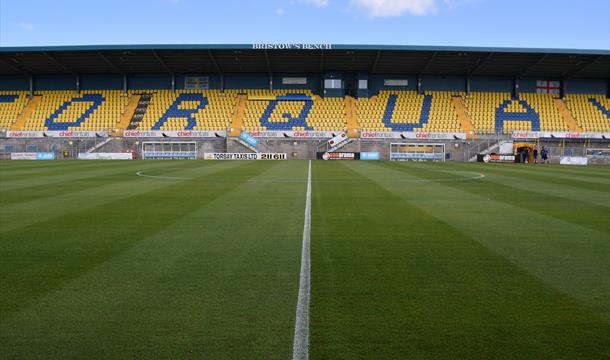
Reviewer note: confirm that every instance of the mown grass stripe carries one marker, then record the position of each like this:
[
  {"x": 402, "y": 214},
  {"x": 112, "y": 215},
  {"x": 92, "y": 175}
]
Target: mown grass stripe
[
  {"x": 392, "y": 281},
  {"x": 77, "y": 181},
  {"x": 34, "y": 264},
  {"x": 581, "y": 182},
  {"x": 525, "y": 194},
  {"x": 568, "y": 256},
  {"x": 217, "y": 283},
  {"x": 10, "y": 173},
  {"x": 28, "y": 213},
  {"x": 591, "y": 171},
  {"x": 60, "y": 175}
]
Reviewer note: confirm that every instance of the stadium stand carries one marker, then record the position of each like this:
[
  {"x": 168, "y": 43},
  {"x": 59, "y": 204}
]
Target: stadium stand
[
  {"x": 12, "y": 104},
  {"x": 591, "y": 111},
  {"x": 543, "y": 104},
  {"x": 408, "y": 111},
  {"x": 501, "y": 113},
  {"x": 189, "y": 110},
  {"x": 293, "y": 110},
  {"x": 89, "y": 110},
  {"x": 438, "y": 111}
]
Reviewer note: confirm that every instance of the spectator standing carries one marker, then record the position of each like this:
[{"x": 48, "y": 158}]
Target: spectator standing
[{"x": 545, "y": 155}]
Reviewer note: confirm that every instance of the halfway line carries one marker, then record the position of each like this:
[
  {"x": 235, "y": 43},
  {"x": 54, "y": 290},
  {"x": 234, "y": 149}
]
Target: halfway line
[{"x": 300, "y": 347}]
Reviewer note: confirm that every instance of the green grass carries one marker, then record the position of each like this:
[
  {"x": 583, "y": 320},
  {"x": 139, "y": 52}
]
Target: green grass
[{"x": 409, "y": 261}]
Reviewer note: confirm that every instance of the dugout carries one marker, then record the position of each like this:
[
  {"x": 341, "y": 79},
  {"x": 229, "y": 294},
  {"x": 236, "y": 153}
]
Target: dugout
[{"x": 519, "y": 148}]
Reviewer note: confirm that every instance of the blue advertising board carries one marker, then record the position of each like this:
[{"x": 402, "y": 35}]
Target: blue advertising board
[
  {"x": 249, "y": 139},
  {"x": 45, "y": 156},
  {"x": 370, "y": 156}
]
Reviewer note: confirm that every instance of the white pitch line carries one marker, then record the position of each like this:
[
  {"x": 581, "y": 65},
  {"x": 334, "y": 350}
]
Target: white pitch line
[
  {"x": 141, "y": 173},
  {"x": 300, "y": 347}
]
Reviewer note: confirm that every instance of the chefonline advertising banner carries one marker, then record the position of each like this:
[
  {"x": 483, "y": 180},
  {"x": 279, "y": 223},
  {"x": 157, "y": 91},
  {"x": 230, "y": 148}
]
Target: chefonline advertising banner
[
  {"x": 559, "y": 135},
  {"x": 289, "y": 134},
  {"x": 55, "y": 134},
  {"x": 411, "y": 135},
  {"x": 175, "y": 134},
  {"x": 245, "y": 156}
]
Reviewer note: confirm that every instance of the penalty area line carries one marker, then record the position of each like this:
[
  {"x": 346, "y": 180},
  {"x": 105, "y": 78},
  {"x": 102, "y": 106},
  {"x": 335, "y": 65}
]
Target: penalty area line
[{"x": 300, "y": 347}]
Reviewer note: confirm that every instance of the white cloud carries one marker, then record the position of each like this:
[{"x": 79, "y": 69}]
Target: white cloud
[
  {"x": 388, "y": 8},
  {"x": 280, "y": 12},
  {"x": 318, "y": 3},
  {"x": 26, "y": 26}
]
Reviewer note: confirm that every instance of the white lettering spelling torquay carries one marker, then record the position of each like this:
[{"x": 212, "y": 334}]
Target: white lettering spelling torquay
[{"x": 292, "y": 46}]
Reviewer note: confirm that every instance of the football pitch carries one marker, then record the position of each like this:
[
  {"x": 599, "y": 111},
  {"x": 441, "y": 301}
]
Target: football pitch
[{"x": 202, "y": 260}]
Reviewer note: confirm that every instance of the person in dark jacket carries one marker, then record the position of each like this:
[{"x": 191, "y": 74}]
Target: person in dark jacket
[
  {"x": 525, "y": 155},
  {"x": 535, "y": 153},
  {"x": 544, "y": 153}
]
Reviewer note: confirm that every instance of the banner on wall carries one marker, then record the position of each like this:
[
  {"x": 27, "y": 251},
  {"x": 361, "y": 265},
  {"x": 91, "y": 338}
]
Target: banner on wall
[
  {"x": 245, "y": 156},
  {"x": 412, "y": 135},
  {"x": 56, "y": 134},
  {"x": 559, "y": 135},
  {"x": 105, "y": 156},
  {"x": 335, "y": 141},
  {"x": 338, "y": 156},
  {"x": 249, "y": 139},
  {"x": 289, "y": 134},
  {"x": 174, "y": 134},
  {"x": 32, "y": 156},
  {"x": 370, "y": 155},
  {"x": 487, "y": 158},
  {"x": 573, "y": 160}
]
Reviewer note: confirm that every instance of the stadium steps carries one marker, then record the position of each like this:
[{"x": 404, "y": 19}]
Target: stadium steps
[
  {"x": 352, "y": 117},
  {"x": 140, "y": 111},
  {"x": 246, "y": 145},
  {"x": 100, "y": 145},
  {"x": 130, "y": 109},
  {"x": 27, "y": 112},
  {"x": 237, "y": 123},
  {"x": 463, "y": 116},
  {"x": 491, "y": 148},
  {"x": 567, "y": 115},
  {"x": 339, "y": 145}
]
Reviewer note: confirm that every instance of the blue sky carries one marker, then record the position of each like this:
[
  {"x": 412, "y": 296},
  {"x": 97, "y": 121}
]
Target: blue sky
[{"x": 583, "y": 24}]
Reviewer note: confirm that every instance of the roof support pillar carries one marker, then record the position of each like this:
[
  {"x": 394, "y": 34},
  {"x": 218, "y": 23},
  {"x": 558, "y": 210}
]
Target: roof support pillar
[
  {"x": 563, "y": 90},
  {"x": 173, "y": 82},
  {"x": 77, "y": 78},
  {"x": 125, "y": 83},
  {"x": 467, "y": 85},
  {"x": 270, "y": 83},
  {"x": 516, "y": 88},
  {"x": 608, "y": 89},
  {"x": 31, "y": 86},
  {"x": 419, "y": 84},
  {"x": 222, "y": 83}
]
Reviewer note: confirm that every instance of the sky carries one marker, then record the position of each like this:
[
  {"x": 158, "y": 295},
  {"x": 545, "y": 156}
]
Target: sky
[{"x": 575, "y": 24}]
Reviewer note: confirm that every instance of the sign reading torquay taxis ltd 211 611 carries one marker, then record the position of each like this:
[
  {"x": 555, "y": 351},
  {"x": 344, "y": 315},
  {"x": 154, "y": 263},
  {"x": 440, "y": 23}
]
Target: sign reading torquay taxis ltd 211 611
[{"x": 292, "y": 46}]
